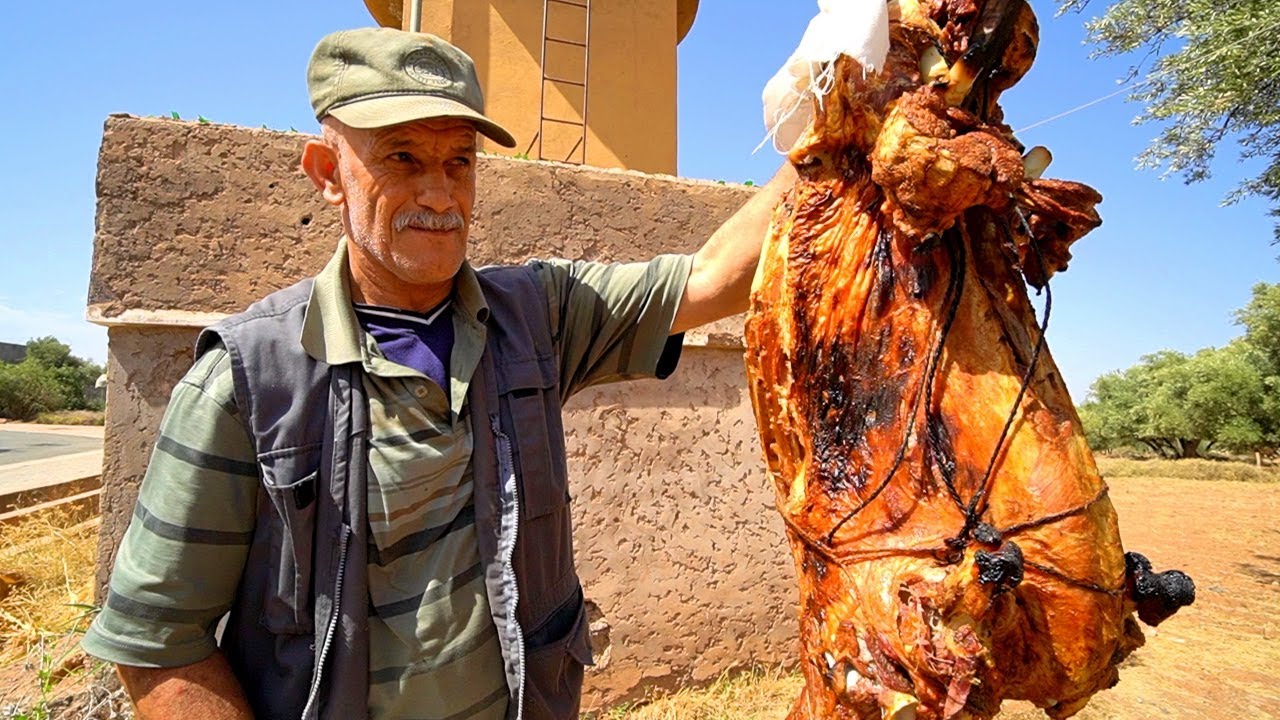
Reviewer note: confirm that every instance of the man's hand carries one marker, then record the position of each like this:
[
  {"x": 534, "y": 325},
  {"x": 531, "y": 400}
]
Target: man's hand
[
  {"x": 720, "y": 283},
  {"x": 206, "y": 690}
]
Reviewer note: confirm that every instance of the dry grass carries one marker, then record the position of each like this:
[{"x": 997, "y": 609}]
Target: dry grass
[
  {"x": 46, "y": 590},
  {"x": 72, "y": 417},
  {"x": 1113, "y": 467},
  {"x": 762, "y": 694},
  {"x": 94, "y": 695},
  {"x": 46, "y": 572}
]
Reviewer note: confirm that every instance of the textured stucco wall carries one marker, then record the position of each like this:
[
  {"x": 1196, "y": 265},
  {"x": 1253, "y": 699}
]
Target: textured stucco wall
[
  {"x": 678, "y": 543},
  {"x": 143, "y": 365},
  {"x": 681, "y": 553}
]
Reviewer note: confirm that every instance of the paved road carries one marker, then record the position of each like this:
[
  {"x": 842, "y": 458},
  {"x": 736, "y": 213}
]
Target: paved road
[
  {"x": 25, "y": 446},
  {"x": 35, "y": 457}
]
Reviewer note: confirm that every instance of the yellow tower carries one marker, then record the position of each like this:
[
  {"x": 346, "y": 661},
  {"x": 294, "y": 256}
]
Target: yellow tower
[{"x": 582, "y": 81}]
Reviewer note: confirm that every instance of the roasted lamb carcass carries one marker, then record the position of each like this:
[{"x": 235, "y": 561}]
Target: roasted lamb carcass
[{"x": 954, "y": 543}]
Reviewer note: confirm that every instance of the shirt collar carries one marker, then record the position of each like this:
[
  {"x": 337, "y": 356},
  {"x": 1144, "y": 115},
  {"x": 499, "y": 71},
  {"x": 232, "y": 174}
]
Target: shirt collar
[
  {"x": 469, "y": 297},
  {"x": 330, "y": 331}
]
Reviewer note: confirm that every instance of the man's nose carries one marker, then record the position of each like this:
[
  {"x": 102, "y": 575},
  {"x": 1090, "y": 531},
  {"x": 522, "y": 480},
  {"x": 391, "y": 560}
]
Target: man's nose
[{"x": 433, "y": 191}]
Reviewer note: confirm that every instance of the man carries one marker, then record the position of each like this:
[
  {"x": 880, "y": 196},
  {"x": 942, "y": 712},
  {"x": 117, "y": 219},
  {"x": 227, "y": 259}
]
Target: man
[{"x": 365, "y": 473}]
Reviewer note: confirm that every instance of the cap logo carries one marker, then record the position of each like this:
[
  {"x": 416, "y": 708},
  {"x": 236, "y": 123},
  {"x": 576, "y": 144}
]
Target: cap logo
[{"x": 427, "y": 67}]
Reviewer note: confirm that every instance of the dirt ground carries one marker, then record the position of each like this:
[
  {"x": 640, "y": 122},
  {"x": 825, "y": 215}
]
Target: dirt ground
[{"x": 1219, "y": 658}]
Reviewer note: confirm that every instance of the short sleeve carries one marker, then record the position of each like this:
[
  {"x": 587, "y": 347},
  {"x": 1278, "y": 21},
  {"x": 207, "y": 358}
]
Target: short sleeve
[
  {"x": 613, "y": 322},
  {"x": 182, "y": 555}
]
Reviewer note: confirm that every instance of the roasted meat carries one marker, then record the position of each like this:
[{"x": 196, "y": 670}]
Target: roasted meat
[{"x": 954, "y": 543}]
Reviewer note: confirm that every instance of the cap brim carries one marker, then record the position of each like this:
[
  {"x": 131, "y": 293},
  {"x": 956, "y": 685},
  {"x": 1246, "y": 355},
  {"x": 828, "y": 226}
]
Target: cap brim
[{"x": 395, "y": 109}]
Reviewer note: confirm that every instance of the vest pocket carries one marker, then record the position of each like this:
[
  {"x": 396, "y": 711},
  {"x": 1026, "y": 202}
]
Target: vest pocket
[
  {"x": 531, "y": 402},
  {"x": 530, "y": 406},
  {"x": 556, "y": 659},
  {"x": 290, "y": 478}
]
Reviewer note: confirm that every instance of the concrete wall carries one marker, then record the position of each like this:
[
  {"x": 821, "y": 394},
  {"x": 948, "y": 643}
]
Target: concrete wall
[
  {"x": 12, "y": 352},
  {"x": 680, "y": 550}
]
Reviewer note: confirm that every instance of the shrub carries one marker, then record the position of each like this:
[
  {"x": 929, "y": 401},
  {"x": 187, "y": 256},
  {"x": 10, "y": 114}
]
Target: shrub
[
  {"x": 28, "y": 389},
  {"x": 1112, "y": 467},
  {"x": 72, "y": 417},
  {"x": 74, "y": 378},
  {"x": 73, "y": 383}
]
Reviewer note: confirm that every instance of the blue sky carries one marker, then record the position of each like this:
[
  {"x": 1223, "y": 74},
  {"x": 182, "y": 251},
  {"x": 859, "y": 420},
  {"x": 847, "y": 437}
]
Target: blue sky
[{"x": 1166, "y": 269}]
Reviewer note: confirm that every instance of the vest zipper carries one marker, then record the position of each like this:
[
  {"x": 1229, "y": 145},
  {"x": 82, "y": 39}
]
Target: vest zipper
[
  {"x": 507, "y": 470},
  {"x": 335, "y": 617}
]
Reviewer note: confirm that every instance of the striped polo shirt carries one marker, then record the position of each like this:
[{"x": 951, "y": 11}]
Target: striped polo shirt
[{"x": 434, "y": 651}]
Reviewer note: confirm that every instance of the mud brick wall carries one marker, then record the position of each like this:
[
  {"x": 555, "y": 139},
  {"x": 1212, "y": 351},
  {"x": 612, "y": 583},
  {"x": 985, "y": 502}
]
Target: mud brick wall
[{"x": 681, "y": 553}]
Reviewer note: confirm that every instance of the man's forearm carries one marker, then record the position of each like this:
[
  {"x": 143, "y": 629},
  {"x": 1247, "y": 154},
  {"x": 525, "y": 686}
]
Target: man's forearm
[
  {"x": 206, "y": 690},
  {"x": 720, "y": 282}
]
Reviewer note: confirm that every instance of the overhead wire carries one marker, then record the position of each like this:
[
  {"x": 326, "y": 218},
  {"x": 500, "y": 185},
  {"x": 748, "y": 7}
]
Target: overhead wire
[{"x": 1131, "y": 85}]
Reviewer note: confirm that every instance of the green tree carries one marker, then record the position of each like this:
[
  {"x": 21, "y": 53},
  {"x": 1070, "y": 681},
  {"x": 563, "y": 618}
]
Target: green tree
[
  {"x": 1112, "y": 413},
  {"x": 49, "y": 352},
  {"x": 73, "y": 375},
  {"x": 49, "y": 364},
  {"x": 1166, "y": 423},
  {"x": 1213, "y": 75},
  {"x": 1181, "y": 405},
  {"x": 28, "y": 389},
  {"x": 1227, "y": 399},
  {"x": 1261, "y": 321},
  {"x": 1140, "y": 405}
]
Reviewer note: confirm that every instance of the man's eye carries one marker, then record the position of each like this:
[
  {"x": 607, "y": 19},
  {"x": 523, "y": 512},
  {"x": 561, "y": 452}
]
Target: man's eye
[
  {"x": 403, "y": 157},
  {"x": 462, "y": 161}
]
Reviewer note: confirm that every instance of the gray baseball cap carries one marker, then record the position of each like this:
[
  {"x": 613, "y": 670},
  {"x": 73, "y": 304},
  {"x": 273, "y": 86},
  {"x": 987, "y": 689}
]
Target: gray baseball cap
[{"x": 375, "y": 77}]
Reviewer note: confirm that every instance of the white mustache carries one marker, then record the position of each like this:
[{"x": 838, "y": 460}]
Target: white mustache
[{"x": 428, "y": 220}]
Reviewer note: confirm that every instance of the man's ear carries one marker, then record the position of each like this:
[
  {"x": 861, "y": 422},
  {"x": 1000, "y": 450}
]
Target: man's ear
[{"x": 320, "y": 163}]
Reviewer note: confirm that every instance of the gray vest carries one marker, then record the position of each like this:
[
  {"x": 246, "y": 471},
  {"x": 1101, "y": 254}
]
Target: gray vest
[{"x": 297, "y": 635}]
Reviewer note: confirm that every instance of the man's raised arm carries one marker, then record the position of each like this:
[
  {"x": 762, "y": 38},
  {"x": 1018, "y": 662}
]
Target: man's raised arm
[{"x": 720, "y": 282}]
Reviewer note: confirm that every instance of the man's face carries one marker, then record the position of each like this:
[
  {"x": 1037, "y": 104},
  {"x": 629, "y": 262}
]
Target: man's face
[{"x": 409, "y": 191}]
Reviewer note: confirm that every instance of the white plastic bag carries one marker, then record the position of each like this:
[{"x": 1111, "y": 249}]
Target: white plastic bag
[{"x": 858, "y": 29}]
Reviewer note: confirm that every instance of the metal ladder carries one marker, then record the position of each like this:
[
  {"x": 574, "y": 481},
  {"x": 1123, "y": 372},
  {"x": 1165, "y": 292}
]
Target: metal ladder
[{"x": 548, "y": 37}]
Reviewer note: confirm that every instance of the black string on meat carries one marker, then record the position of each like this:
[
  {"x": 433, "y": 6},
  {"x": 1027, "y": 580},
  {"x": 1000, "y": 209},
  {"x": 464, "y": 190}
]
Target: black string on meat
[
  {"x": 983, "y": 533},
  {"x": 1055, "y": 517},
  {"x": 977, "y": 506},
  {"x": 1063, "y": 577},
  {"x": 947, "y": 468},
  {"x": 955, "y": 289},
  {"x": 1002, "y": 567}
]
